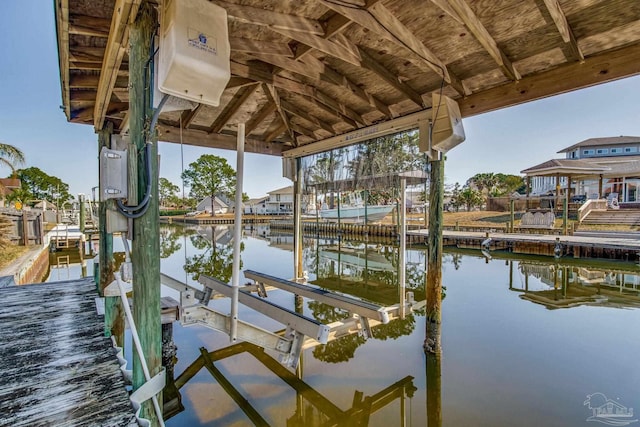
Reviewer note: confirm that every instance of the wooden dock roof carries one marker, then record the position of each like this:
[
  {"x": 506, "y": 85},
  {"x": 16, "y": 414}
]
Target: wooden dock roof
[
  {"x": 307, "y": 70},
  {"x": 58, "y": 368}
]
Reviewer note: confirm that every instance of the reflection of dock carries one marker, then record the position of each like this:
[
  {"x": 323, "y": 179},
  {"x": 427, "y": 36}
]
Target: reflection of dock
[{"x": 326, "y": 413}]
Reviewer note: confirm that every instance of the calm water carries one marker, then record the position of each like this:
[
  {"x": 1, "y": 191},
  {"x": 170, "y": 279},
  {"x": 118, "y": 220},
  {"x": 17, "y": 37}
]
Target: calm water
[{"x": 524, "y": 342}]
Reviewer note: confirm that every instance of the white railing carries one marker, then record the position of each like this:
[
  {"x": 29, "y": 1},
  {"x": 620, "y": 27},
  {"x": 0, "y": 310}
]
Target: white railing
[{"x": 590, "y": 206}]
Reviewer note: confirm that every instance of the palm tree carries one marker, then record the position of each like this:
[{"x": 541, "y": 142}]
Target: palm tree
[{"x": 10, "y": 156}]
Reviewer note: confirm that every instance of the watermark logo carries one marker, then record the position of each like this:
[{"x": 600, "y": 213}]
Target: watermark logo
[{"x": 607, "y": 411}]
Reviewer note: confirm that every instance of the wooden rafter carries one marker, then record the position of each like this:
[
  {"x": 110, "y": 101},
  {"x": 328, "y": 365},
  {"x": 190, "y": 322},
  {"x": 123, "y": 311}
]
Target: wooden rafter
[
  {"x": 334, "y": 25},
  {"x": 124, "y": 12},
  {"x": 268, "y": 18},
  {"x": 465, "y": 14},
  {"x": 236, "y": 82},
  {"x": 262, "y": 47},
  {"x": 267, "y": 109},
  {"x": 345, "y": 51},
  {"x": 303, "y": 130},
  {"x": 277, "y": 131},
  {"x": 292, "y": 109},
  {"x": 559, "y": 18},
  {"x": 383, "y": 22},
  {"x": 89, "y": 26},
  {"x": 86, "y": 54},
  {"x": 232, "y": 107},
  {"x": 62, "y": 22},
  {"x": 272, "y": 95},
  {"x": 371, "y": 64},
  {"x": 315, "y": 95},
  {"x": 87, "y": 81},
  {"x": 187, "y": 116}
]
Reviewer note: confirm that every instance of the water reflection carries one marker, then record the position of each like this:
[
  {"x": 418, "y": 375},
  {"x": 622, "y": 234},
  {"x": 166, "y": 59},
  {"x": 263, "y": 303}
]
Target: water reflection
[
  {"x": 312, "y": 407},
  {"x": 503, "y": 357}
]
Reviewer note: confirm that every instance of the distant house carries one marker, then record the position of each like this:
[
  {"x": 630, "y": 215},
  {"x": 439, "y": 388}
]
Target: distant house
[
  {"x": 593, "y": 168},
  {"x": 280, "y": 201},
  {"x": 220, "y": 206},
  {"x": 7, "y": 186},
  {"x": 256, "y": 206}
]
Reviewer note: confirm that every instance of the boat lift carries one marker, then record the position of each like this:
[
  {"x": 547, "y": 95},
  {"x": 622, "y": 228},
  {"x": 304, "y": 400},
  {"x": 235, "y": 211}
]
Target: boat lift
[{"x": 301, "y": 333}]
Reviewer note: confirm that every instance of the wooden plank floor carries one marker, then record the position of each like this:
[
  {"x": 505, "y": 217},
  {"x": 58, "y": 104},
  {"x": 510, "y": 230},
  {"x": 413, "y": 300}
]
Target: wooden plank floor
[{"x": 56, "y": 366}]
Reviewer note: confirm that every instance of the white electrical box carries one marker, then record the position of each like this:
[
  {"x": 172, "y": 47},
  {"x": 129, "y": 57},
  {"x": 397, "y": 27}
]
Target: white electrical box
[
  {"x": 289, "y": 168},
  {"x": 194, "y": 51},
  {"x": 113, "y": 174},
  {"x": 447, "y": 130}
]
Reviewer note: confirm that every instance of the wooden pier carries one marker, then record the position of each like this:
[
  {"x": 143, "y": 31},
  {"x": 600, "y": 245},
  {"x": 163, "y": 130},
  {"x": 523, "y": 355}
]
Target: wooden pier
[{"x": 58, "y": 368}]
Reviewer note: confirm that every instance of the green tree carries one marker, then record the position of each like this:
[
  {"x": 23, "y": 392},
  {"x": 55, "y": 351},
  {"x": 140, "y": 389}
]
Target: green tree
[
  {"x": 470, "y": 198},
  {"x": 43, "y": 186},
  {"x": 208, "y": 176},
  {"x": 167, "y": 191},
  {"x": 22, "y": 195},
  {"x": 10, "y": 156}
]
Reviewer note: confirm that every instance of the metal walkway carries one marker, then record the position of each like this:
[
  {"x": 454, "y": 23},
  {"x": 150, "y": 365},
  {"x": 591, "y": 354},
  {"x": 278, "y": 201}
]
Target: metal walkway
[{"x": 58, "y": 369}]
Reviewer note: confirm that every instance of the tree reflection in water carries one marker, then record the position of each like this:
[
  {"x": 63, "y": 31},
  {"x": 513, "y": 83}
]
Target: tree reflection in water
[{"x": 214, "y": 257}]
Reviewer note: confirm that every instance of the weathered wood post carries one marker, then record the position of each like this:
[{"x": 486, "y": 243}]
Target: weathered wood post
[
  {"x": 434, "y": 266},
  {"x": 146, "y": 237},
  {"x": 434, "y": 390},
  {"x": 81, "y": 219},
  {"x": 528, "y": 190},
  {"x": 25, "y": 228},
  {"x": 113, "y": 312},
  {"x": 511, "y": 214}
]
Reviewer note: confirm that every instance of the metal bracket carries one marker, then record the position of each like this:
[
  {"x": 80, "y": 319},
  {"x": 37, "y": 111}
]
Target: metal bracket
[{"x": 292, "y": 357}]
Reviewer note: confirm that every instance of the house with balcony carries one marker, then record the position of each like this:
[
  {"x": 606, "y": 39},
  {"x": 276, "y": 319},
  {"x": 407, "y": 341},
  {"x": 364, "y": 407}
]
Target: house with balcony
[
  {"x": 280, "y": 201},
  {"x": 595, "y": 168}
]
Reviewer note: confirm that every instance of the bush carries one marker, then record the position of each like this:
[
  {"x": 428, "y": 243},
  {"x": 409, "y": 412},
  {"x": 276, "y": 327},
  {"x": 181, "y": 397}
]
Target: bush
[{"x": 173, "y": 212}]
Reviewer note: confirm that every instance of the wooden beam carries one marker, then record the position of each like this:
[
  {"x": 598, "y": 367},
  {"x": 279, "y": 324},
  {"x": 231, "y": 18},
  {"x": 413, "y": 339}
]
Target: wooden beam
[
  {"x": 62, "y": 24},
  {"x": 277, "y": 131},
  {"x": 334, "y": 25},
  {"x": 303, "y": 131},
  {"x": 471, "y": 21},
  {"x": 273, "y": 97},
  {"x": 597, "y": 69},
  {"x": 88, "y": 26},
  {"x": 559, "y": 18},
  {"x": 267, "y": 109},
  {"x": 377, "y": 18},
  {"x": 287, "y": 106},
  {"x": 236, "y": 82},
  {"x": 87, "y": 81},
  {"x": 187, "y": 116},
  {"x": 199, "y": 138},
  {"x": 343, "y": 52},
  {"x": 241, "y": 44},
  {"x": 371, "y": 64},
  {"x": 232, "y": 107},
  {"x": 86, "y": 54},
  {"x": 124, "y": 13},
  {"x": 271, "y": 19}
]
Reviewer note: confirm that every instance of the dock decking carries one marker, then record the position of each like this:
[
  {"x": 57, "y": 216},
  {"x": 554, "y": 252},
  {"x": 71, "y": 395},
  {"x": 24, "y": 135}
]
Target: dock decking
[{"x": 58, "y": 368}]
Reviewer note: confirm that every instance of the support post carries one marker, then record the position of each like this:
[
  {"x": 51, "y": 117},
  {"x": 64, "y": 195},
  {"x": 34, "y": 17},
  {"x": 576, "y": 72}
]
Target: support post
[
  {"x": 557, "y": 201},
  {"x": 113, "y": 312},
  {"x": 528, "y": 190},
  {"x": 81, "y": 219},
  {"x": 434, "y": 389},
  {"x": 403, "y": 244},
  {"x": 237, "y": 234},
  {"x": 434, "y": 266},
  {"x": 565, "y": 208},
  {"x": 512, "y": 204},
  {"x": 297, "y": 220},
  {"x": 25, "y": 228},
  {"x": 600, "y": 187},
  {"x": 146, "y": 236}
]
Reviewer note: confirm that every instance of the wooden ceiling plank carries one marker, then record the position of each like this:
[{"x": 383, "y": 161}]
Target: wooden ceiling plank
[
  {"x": 473, "y": 24},
  {"x": 272, "y": 95},
  {"x": 88, "y": 31},
  {"x": 169, "y": 133},
  {"x": 241, "y": 44},
  {"x": 374, "y": 66},
  {"x": 271, "y": 19},
  {"x": 559, "y": 18},
  {"x": 327, "y": 46},
  {"x": 232, "y": 107},
  {"x": 124, "y": 12},
  {"x": 187, "y": 116},
  {"x": 86, "y": 54},
  {"x": 265, "y": 111},
  {"x": 341, "y": 111},
  {"x": 303, "y": 130},
  {"x": 594, "y": 70},
  {"x": 292, "y": 109}
]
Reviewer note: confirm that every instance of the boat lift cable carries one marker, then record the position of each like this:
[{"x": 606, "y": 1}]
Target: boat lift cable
[{"x": 134, "y": 212}]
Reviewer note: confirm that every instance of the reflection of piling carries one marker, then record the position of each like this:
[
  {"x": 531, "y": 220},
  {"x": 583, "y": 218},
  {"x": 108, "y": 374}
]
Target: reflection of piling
[{"x": 434, "y": 390}]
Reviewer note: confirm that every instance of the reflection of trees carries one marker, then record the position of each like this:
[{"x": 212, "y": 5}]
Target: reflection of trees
[
  {"x": 215, "y": 260},
  {"x": 452, "y": 258},
  {"x": 396, "y": 328},
  {"x": 340, "y": 350},
  {"x": 169, "y": 241}
]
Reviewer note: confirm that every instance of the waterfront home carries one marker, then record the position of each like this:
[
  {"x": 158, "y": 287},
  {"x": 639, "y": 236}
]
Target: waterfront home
[
  {"x": 594, "y": 168},
  {"x": 280, "y": 201},
  {"x": 256, "y": 206},
  {"x": 219, "y": 205}
]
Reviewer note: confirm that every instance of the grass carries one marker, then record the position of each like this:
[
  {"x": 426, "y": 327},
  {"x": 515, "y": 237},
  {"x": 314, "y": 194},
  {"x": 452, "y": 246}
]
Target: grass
[{"x": 9, "y": 253}]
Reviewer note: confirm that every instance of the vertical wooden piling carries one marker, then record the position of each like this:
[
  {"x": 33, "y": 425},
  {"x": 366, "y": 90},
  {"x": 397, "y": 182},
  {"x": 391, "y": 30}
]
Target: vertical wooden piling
[
  {"x": 81, "y": 220},
  {"x": 146, "y": 237},
  {"x": 511, "y": 215},
  {"x": 434, "y": 389},
  {"x": 113, "y": 311},
  {"x": 434, "y": 266}
]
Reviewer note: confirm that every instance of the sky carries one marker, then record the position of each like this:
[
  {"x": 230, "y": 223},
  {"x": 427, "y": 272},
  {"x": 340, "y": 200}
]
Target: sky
[{"x": 505, "y": 141}]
